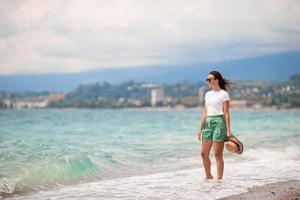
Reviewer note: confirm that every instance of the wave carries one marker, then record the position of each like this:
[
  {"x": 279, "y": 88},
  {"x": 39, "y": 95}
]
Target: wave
[
  {"x": 255, "y": 167},
  {"x": 36, "y": 176},
  {"x": 259, "y": 164}
]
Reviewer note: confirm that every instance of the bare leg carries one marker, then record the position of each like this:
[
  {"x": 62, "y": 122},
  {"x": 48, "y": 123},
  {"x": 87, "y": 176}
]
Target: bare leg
[
  {"x": 218, "y": 150},
  {"x": 205, "y": 150}
]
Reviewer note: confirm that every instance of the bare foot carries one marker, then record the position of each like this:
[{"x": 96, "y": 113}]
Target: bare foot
[{"x": 210, "y": 177}]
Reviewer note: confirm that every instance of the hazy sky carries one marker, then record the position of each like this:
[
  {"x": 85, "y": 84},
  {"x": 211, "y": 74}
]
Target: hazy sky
[{"x": 40, "y": 36}]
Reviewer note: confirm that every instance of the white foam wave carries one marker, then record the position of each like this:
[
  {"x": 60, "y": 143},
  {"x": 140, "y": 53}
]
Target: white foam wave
[{"x": 254, "y": 167}]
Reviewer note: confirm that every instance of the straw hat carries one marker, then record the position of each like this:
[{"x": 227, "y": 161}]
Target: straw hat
[{"x": 233, "y": 145}]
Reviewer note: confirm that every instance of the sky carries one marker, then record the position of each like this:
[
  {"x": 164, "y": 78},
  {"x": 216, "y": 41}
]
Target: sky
[{"x": 66, "y": 36}]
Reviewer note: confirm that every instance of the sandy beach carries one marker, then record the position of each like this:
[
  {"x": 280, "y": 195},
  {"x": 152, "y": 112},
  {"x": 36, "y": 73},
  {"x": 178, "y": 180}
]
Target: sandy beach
[{"x": 286, "y": 190}]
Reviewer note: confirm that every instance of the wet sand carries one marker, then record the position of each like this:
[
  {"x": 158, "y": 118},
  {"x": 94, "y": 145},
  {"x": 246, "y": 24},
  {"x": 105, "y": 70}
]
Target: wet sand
[{"x": 286, "y": 190}]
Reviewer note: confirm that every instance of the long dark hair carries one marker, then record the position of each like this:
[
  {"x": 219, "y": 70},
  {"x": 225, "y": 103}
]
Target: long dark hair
[{"x": 223, "y": 83}]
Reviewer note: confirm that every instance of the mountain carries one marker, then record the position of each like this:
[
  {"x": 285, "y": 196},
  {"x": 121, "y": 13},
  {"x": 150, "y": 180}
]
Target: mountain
[{"x": 278, "y": 67}]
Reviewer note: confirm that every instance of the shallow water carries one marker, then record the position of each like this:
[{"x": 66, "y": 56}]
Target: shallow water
[{"x": 81, "y": 153}]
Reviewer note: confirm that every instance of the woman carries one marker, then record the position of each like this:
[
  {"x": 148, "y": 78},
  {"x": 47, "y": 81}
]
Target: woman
[{"x": 215, "y": 122}]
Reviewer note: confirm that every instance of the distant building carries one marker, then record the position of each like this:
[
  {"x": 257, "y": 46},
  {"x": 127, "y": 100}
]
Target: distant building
[
  {"x": 56, "y": 97},
  {"x": 157, "y": 96},
  {"x": 33, "y": 102},
  {"x": 190, "y": 101},
  {"x": 179, "y": 107},
  {"x": 6, "y": 103},
  {"x": 30, "y": 103},
  {"x": 136, "y": 102},
  {"x": 168, "y": 99},
  {"x": 240, "y": 103}
]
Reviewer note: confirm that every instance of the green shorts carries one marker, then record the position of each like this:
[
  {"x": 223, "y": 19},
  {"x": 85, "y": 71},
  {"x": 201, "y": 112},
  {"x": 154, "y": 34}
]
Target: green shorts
[{"x": 214, "y": 129}]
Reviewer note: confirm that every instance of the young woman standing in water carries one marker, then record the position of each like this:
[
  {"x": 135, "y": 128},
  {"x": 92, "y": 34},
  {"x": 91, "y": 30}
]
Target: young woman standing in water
[{"x": 215, "y": 123}]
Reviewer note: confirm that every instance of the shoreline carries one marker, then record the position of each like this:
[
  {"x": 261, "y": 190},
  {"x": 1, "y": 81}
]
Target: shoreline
[
  {"x": 199, "y": 108},
  {"x": 284, "y": 190}
]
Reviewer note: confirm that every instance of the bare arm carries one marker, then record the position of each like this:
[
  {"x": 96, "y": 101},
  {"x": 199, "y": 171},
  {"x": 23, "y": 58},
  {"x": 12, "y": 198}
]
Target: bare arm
[
  {"x": 227, "y": 117},
  {"x": 202, "y": 122}
]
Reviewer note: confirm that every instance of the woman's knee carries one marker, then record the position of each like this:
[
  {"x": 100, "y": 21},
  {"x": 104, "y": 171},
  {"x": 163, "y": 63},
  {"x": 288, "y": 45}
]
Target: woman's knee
[
  {"x": 204, "y": 154},
  {"x": 218, "y": 156}
]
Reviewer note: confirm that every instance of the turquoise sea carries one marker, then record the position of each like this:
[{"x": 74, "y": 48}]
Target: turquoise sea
[{"x": 121, "y": 154}]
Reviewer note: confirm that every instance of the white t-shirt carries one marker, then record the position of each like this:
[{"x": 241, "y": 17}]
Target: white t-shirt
[{"x": 214, "y": 101}]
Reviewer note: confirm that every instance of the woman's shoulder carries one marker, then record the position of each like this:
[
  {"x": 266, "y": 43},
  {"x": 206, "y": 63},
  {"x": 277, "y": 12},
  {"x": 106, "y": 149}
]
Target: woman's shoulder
[
  {"x": 220, "y": 91},
  {"x": 225, "y": 95},
  {"x": 224, "y": 91}
]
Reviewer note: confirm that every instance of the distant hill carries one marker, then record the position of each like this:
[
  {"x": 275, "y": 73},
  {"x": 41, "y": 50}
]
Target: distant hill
[{"x": 276, "y": 67}]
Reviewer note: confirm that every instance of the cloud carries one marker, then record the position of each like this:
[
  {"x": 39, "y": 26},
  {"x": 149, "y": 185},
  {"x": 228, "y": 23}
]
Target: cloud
[{"x": 77, "y": 35}]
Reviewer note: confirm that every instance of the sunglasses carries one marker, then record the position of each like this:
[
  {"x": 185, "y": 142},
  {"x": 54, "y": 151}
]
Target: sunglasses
[{"x": 209, "y": 79}]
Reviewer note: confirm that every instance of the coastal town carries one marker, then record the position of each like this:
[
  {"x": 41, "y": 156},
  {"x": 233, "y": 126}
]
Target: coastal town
[{"x": 182, "y": 95}]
